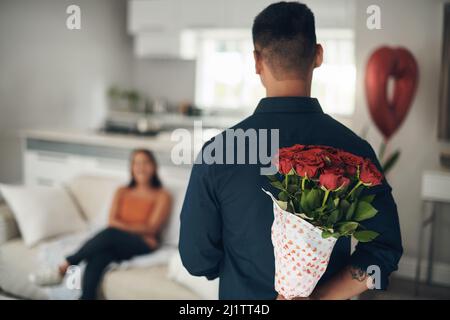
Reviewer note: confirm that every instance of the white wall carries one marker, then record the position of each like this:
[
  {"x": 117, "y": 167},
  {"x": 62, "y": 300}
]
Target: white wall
[
  {"x": 416, "y": 25},
  {"x": 54, "y": 77},
  {"x": 165, "y": 78}
]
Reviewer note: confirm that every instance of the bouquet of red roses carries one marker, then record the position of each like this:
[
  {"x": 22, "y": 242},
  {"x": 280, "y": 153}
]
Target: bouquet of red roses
[{"x": 319, "y": 200}]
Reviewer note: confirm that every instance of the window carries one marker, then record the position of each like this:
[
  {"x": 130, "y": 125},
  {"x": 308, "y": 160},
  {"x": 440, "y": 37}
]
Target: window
[{"x": 226, "y": 78}]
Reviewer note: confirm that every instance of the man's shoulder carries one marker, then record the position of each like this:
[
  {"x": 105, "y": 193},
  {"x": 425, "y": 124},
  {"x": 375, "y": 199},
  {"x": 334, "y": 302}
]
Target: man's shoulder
[{"x": 341, "y": 131}]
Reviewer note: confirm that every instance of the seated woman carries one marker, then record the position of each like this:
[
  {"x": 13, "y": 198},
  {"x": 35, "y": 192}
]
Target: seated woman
[{"x": 138, "y": 212}]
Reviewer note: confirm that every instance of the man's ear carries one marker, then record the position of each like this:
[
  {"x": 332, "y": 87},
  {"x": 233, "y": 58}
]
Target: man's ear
[
  {"x": 319, "y": 56},
  {"x": 258, "y": 61}
]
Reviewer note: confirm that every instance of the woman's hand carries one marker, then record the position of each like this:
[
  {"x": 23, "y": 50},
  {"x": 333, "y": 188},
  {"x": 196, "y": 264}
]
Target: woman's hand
[
  {"x": 151, "y": 241},
  {"x": 114, "y": 223}
]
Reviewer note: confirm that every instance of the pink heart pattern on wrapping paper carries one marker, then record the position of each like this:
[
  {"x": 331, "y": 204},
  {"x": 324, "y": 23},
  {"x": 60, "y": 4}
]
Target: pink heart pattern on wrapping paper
[{"x": 301, "y": 254}]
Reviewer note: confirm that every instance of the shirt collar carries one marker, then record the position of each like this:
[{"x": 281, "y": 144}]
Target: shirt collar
[{"x": 289, "y": 104}]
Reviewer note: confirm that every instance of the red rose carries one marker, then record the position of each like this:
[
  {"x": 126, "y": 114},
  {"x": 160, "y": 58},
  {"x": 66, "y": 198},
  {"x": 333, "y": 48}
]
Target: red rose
[
  {"x": 351, "y": 161},
  {"x": 331, "y": 181},
  {"x": 295, "y": 148},
  {"x": 308, "y": 162},
  {"x": 337, "y": 170},
  {"x": 324, "y": 148},
  {"x": 284, "y": 165},
  {"x": 369, "y": 174},
  {"x": 286, "y": 158}
]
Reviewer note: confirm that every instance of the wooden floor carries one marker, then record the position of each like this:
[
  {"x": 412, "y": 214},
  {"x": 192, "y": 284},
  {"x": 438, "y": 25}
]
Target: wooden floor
[{"x": 403, "y": 289}]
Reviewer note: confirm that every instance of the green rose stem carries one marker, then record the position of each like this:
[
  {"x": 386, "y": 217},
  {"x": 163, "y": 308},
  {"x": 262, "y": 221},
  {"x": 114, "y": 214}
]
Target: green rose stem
[
  {"x": 354, "y": 188},
  {"x": 325, "y": 198},
  {"x": 303, "y": 183},
  {"x": 286, "y": 181}
]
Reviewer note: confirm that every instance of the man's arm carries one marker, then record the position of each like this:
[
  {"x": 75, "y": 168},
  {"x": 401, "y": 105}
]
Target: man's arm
[
  {"x": 348, "y": 283},
  {"x": 200, "y": 242}
]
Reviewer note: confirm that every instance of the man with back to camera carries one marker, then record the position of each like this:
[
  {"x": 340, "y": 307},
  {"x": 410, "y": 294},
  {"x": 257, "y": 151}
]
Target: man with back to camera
[{"x": 226, "y": 219}]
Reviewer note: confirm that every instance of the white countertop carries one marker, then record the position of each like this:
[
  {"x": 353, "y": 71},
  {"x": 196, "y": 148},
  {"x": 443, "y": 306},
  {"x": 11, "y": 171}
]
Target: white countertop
[{"x": 162, "y": 141}]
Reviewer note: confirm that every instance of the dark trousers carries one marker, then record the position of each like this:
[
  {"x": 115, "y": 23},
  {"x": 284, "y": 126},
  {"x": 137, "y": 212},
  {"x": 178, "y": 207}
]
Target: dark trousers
[{"x": 109, "y": 245}]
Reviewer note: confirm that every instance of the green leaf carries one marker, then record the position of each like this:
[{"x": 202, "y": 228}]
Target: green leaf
[
  {"x": 333, "y": 217},
  {"x": 290, "y": 207},
  {"x": 292, "y": 188},
  {"x": 348, "y": 227},
  {"x": 303, "y": 201},
  {"x": 313, "y": 198},
  {"x": 369, "y": 198},
  {"x": 283, "y": 196},
  {"x": 336, "y": 235},
  {"x": 336, "y": 202},
  {"x": 365, "y": 235},
  {"x": 272, "y": 177},
  {"x": 344, "y": 205},
  {"x": 326, "y": 234},
  {"x": 277, "y": 184},
  {"x": 296, "y": 204},
  {"x": 364, "y": 211},
  {"x": 350, "y": 211},
  {"x": 390, "y": 161},
  {"x": 382, "y": 150}
]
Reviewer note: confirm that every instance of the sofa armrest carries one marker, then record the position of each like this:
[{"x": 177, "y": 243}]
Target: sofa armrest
[{"x": 8, "y": 225}]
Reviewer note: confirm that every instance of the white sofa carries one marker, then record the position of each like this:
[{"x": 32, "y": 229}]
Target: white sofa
[{"x": 164, "y": 280}]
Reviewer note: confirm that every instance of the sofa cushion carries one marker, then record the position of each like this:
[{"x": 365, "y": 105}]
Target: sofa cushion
[
  {"x": 8, "y": 225},
  {"x": 204, "y": 288},
  {"x": 42, "y": 212},
  {"x": 94, "y": 195},
  {"x": 17, "y": 261},
  {"x": 143, "y": 283}
]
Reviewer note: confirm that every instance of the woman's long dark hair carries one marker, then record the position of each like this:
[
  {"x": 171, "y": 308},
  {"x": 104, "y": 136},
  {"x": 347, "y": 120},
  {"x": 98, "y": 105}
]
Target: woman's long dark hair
[{"x": 154, "y": 181}]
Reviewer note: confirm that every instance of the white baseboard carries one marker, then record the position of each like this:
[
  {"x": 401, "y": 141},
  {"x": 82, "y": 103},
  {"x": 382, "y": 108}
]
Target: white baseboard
[{"x": 407, "y": 269}]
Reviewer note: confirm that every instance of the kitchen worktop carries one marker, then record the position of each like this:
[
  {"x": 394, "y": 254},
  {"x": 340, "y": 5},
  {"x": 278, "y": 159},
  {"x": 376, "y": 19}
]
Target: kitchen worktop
[{"x": 161, "y": 141}]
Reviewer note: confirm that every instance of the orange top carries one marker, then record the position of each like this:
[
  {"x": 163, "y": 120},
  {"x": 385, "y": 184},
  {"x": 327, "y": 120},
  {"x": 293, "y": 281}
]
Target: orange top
[{"x": 134, "y": 209}]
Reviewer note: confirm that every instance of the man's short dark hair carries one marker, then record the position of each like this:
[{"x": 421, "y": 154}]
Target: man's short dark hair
[{"x": 284, "y": 34}]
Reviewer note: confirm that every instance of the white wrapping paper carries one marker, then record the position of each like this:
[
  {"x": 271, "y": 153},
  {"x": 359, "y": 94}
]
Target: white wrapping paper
[{"x": 301, "y": 254}]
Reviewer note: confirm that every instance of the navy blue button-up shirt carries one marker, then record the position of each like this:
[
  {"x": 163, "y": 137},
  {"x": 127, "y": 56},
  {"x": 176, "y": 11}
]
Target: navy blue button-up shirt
[{"x": 226, "y": 218}]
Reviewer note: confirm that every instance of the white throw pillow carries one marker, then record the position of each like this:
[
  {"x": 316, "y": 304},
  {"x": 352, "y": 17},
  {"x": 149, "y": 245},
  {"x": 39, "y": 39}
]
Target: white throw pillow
[
  {"x": 204, "y": 288},
  {"x": 94, "y": 194},
  {"x": 42, "y": 212}
]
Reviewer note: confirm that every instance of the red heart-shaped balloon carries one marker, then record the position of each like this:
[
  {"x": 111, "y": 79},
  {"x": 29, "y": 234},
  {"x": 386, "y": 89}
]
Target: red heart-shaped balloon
[{"x": 383, "y": 64}]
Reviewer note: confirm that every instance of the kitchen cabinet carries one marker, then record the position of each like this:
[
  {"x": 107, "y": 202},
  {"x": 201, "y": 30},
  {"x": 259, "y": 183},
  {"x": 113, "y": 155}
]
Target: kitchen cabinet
[
  {"x": 54, "y": 157},
  {"x": 151, "y": 15},
  {"x": 201, "y": 14},
  {"x": 157, "y": 44}
]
